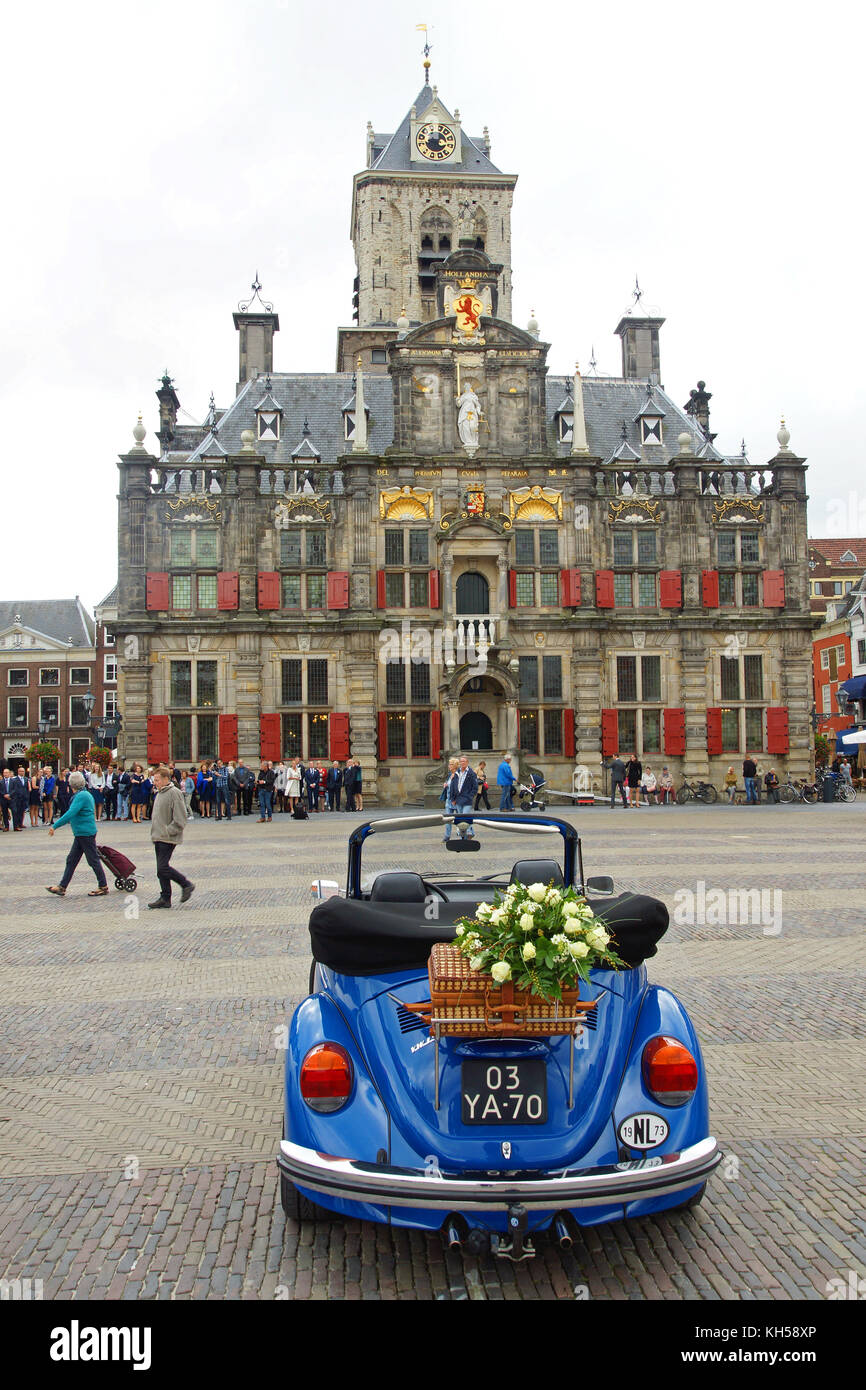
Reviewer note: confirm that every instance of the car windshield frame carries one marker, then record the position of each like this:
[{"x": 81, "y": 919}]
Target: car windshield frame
[{"x": 542, "y": 827}]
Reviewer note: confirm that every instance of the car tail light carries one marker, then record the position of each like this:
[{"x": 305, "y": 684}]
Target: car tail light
[
  {"x": 670, "y": 1072},
  {"x": 326, "y": 1077}
]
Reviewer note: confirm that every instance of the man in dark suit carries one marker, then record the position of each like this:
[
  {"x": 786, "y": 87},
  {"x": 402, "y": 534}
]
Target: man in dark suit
[
  {"x": 462, "y": 789},
  {"x": 20, "y": 793},
  {"x": 349, "y": 775},
  {"x": 334, "y": 786},
  {"x": 312, "y": 777},
  {"x": 616, "y": 768},
  {"x": 6, "y": 796}
]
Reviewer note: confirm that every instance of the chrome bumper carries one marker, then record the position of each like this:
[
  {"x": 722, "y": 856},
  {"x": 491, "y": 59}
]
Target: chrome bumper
[{"x": 620, "y": 1183}]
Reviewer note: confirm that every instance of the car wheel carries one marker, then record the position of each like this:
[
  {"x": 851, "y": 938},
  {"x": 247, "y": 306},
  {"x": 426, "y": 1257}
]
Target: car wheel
[
  {"x": 692, "y": 1202},
  {"x": 298, "y": 1207}
]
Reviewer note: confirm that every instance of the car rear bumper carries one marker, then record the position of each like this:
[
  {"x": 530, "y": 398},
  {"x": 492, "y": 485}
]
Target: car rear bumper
[{"x": 350, "y": 1179}]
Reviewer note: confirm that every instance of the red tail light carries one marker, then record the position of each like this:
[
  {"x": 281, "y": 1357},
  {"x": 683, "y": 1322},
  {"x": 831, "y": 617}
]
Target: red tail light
[
  {"x": 326, "y": 1077},
  {"x": 670, "y": 1072}
]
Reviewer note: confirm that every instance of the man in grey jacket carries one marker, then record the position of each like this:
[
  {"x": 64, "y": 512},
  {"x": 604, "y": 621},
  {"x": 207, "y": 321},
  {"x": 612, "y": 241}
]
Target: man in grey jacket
[{"x": 167, "y": 825}]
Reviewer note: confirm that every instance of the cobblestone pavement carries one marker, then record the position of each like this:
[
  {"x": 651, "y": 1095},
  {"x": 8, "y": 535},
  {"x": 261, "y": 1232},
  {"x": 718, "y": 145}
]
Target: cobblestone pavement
[{"x": 140, "y": 1071}]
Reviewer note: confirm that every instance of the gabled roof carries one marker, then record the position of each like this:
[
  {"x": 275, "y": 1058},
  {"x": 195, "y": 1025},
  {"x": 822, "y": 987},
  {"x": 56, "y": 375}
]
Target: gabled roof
[
  {"x": 393, "y": 151},
  {"x": 833, "y": 549},
  {"x": 268, "y": 403},
  {"x": 305, "y": 450}
]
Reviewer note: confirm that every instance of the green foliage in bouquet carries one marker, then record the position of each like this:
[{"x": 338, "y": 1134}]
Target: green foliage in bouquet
[
  {"x": 538, "y": 937},
  {"x": 99, "y": 755}
]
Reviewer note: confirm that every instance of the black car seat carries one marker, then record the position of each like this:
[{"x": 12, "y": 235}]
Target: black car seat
[
  {"x": 528, "y": 871},
  {"x": 398, "y": 887}
]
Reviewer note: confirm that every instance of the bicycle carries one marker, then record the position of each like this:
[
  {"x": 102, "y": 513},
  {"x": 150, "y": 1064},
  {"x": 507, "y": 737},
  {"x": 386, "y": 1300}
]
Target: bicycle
[
  {"x": 800, "y": 790},
  {"x": 700, "y": 791},
  {"x": 843, "y": 790}
]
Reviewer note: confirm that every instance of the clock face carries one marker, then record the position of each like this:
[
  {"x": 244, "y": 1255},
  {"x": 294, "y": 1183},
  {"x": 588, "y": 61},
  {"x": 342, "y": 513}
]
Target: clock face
[{"x": 435, "y": 141}]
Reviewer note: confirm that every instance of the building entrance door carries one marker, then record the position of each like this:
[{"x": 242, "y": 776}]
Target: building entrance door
[{"x": 476, "y": 732}]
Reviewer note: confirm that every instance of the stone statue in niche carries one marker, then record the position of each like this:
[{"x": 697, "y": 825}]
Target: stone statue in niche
[{"x": 468, "y": 417}]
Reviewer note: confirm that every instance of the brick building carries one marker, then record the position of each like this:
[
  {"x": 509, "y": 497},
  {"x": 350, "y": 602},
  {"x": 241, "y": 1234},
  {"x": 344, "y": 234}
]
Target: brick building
[
  {"x": 835, "y": 566},
  {"x": 51, "y": 656},
  {"x": 443, "y": 547}
]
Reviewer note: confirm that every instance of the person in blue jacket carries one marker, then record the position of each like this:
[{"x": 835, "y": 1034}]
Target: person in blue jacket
[
  {"x": 506, "y": 779},
  {"x": 81, "y": 816},
  {"x": 312, "y": 777}
]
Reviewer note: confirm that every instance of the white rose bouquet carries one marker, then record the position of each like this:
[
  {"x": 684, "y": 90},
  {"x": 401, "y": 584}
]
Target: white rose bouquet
[{"x": 538, "y": 937}]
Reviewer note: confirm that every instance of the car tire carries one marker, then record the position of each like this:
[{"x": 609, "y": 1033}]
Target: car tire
[
  {"x": 296, "y": 1206},
  {"x": 694, "y": 1201}
]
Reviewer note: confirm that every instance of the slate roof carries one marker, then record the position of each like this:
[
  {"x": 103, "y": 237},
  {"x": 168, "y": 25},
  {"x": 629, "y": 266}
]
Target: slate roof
[
  {"x": 608, "y": 402},
  {"x": 61, "y": 619},
  {"x": 317, "y": 399},
  {"x": 393, "y": 151}
]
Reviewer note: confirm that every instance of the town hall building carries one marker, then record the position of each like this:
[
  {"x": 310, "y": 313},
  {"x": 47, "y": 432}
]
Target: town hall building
[{"x": 439, "y": 547}]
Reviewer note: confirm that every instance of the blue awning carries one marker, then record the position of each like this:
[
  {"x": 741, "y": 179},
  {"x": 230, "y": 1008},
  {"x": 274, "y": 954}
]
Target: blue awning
[
  {"x": 849, "y": 748},
  {"x": 854, "y": 687}
]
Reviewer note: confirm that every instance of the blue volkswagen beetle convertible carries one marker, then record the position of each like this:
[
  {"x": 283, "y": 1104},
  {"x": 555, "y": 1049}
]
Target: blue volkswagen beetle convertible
[{"x": 493, "y": 1139}]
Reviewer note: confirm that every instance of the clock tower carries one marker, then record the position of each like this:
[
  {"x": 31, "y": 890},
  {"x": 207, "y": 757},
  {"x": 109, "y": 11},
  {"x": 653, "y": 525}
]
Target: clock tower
[{"x": 428, "y": 190}]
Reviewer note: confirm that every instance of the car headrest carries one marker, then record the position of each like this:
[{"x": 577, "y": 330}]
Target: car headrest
[
  {"x": 528, "y": 871},
  {"x": 398, "y": 887}
]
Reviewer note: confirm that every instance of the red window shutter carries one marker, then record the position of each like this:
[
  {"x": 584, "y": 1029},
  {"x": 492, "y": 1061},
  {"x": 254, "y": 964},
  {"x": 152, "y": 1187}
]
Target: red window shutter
[
  {"x": 512, "y": 588},
  {"x": 675, "y": 732},
  {"x": 269, "y": 737},
  {"x": 338, "y": 591},
  {"x": 156, "y": 592},
  {"x": 434, "y": 588},
  {"x": 604, "y": 588},
  {"x": 435, "y": 733},
  {"x": 157, "y": 738},
  {"x": 228, "y": 737},
  {"x": 568, "y": 733},
  {"x": 710, "y": 588},
  {"x": 380, "y": 589},
  {"x": 569, "y": 588},
  {"x": 383, "y": 736},
  {"x": 671, "y": 589},
  {"x": 714, "y": 732},
  {"x": 777, "y": 730},
  {"x": 609, "y": 732},
  {"x": 338, "y": 730},
  {"x": 269, "y": 589},
  {"x": 227, "y": 589},
  {"x": 774, "y": 592}
]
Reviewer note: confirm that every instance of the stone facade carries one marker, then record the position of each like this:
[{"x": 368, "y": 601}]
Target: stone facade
[{"x": 489, "y": 559}]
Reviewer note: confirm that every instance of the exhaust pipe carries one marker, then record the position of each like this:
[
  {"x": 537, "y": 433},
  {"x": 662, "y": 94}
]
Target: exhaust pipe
[
  {"x": 453, "y": 1232},
  {"x": 562, "y": 1232}
]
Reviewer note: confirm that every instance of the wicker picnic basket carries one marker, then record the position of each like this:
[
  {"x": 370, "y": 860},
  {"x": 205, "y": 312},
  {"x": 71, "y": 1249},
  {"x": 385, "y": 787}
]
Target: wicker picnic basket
[{"x": 467, "y": 1004}]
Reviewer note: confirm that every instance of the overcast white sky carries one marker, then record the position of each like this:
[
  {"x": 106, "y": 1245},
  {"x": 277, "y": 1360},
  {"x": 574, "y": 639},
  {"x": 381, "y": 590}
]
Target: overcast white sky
[{"x": 157, "y": 155}]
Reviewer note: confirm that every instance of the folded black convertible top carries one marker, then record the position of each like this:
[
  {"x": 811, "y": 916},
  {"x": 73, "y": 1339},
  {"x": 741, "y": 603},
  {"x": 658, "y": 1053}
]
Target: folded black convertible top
[{"x": 355, "y": 937}]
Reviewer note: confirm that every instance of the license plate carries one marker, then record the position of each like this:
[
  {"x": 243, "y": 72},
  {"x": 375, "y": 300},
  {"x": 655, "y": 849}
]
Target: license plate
[{"x": 504, "y": 1092}]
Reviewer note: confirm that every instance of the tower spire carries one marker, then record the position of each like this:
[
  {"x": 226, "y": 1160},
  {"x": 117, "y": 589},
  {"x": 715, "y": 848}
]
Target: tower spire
[{"x": 426, "y": 55}]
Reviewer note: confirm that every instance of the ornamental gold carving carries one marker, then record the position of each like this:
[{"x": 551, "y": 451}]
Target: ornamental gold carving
[
  {"x": 738, "y": 509},
  {"x": 405, "y": 504},
  {"x": 634, "y": 509},
  {"x": 193, "y": 508},
  {"x": 534, "y": 503}
]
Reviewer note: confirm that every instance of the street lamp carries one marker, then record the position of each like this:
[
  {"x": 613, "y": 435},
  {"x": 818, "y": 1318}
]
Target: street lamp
[{"x": 88, "y": 700}]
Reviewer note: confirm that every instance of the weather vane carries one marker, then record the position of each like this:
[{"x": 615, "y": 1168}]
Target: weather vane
[
  {"x": 637, "y": 292},
  {"x": 245, "y": 305},
  {"x": 423, "y": 27}
]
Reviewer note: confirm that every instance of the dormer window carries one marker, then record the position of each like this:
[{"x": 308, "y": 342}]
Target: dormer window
[
  {"x": 849, "y": 558},
  {"x": 269, "y": 424},
  {"x": 348, "y": 424},
  {"x": 565, "y": 426},
  {"x": 650, "y": 429}
]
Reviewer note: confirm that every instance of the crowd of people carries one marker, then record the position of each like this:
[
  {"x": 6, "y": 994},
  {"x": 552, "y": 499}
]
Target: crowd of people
[{"x": 213, "y": 790}]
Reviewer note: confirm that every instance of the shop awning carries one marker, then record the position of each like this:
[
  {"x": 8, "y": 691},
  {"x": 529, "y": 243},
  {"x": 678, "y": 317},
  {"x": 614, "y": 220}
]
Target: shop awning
[{"x": 854, "y": 687}]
